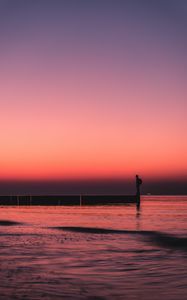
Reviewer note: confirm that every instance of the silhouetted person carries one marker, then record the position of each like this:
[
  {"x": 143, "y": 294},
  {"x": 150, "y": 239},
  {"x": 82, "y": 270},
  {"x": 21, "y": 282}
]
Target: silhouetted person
[{"x": 138, "y": 183}]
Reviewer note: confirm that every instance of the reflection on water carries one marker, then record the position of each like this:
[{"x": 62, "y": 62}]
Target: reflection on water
[{"x": 111, "y": 252}]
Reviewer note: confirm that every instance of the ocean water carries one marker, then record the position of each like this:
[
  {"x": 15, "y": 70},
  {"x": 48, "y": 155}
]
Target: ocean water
[{"x": 95, "y": 253}]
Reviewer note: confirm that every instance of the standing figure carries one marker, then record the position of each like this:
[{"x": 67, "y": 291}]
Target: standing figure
[{"x": 138, "y": 183}]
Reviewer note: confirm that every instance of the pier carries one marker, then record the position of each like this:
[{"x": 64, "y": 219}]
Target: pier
[
  {"x": 74, "y": 199},
  {"x": 56, "y": 200}
]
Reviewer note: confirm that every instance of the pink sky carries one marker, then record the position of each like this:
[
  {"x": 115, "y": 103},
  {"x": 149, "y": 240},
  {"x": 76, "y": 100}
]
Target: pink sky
[{"x": 91, "y": 108}]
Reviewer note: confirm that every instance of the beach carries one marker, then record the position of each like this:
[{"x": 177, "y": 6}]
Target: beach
[{"x": 100, "y": 252}]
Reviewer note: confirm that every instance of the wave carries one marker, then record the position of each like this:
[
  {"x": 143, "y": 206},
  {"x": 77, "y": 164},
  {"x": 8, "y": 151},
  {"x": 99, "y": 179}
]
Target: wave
[
  {"x": 168, "y": 240},
  {"x": 156, "y": 237},
  {"x": 8, "y": 223},
  {"x": 93, "y": 230}
]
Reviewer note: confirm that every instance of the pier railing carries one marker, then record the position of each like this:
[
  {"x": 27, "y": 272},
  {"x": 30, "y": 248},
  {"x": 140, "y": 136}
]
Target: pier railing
[{"x": 55, "y": 200}]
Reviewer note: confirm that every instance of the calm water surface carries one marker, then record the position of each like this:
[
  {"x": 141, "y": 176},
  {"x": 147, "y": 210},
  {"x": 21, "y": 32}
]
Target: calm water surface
[{"x": 141, "y": 254}]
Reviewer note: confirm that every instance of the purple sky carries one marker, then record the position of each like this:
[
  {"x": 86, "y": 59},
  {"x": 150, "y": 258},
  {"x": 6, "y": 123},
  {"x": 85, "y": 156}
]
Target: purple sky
[{"x": 93, "y": 91}]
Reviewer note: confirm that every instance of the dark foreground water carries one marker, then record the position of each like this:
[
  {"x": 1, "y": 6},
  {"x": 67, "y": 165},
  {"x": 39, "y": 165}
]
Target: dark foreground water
[{"x": 111, "y": 252}]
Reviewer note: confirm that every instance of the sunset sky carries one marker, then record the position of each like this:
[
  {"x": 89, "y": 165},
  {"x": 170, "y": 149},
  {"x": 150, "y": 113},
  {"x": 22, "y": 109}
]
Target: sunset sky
[{"x": 93, "y": 89}]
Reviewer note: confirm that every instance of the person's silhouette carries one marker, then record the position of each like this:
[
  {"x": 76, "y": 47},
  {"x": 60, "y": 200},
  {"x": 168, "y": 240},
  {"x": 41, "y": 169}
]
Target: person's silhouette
[{"x": 138, "y": 183}]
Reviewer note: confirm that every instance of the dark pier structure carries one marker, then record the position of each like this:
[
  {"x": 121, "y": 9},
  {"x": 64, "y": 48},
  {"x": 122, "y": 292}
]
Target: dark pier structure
[
  {"x": 67, "y": 200},
  {"x": 78, "y": 200}
]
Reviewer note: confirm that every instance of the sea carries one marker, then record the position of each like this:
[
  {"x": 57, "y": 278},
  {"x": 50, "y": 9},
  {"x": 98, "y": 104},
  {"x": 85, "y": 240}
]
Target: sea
[{"x": 95, "y": 252}]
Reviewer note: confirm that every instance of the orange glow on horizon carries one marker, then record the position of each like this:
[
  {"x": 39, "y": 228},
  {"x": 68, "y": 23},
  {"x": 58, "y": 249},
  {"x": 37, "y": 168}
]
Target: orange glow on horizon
[{"x": 80, "y": 104}]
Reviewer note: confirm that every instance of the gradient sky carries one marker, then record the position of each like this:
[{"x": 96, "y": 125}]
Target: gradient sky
[{"x": 93, "y": 89}]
